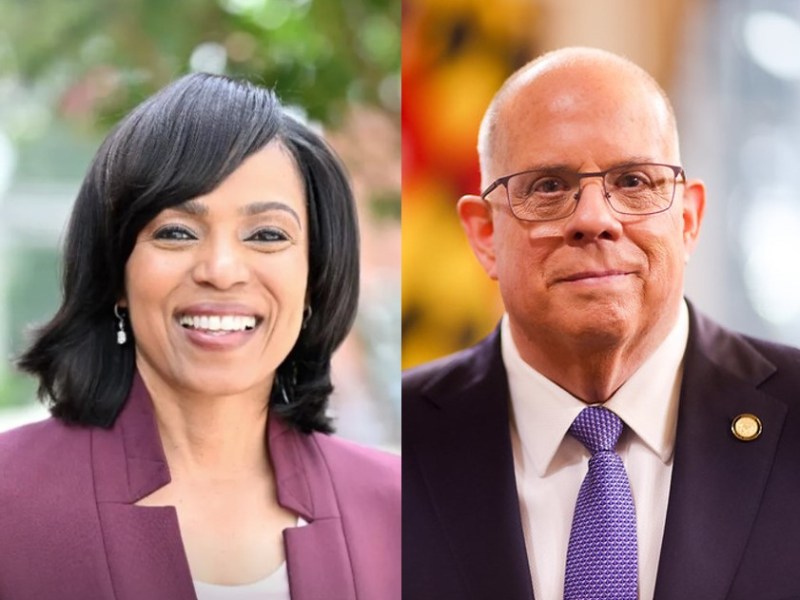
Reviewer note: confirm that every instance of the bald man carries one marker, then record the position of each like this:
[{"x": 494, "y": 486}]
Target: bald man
[{"x": 586, "y": 221}]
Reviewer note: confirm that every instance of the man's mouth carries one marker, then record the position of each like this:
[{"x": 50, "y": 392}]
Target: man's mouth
[{"x": 588, "y": 275}]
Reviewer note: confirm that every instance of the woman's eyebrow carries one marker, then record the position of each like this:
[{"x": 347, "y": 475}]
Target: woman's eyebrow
[
  {"x": 256, "y": 208},
  {"x": 192, "y": 207},
  {"x": 196, "y": 208}
]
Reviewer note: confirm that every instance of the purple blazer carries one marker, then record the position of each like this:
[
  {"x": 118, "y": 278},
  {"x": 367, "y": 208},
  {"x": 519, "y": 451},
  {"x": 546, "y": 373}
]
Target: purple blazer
[
  {"x": 69, "y": 528},
  {"x": 732, "y": 530}
]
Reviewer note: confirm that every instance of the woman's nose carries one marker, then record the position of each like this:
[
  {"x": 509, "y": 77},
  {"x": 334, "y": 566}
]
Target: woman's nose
[{"x": 221, "y": 264}]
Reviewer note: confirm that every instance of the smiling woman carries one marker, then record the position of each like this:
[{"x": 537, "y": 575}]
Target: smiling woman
[
  {"x": 225, "y": 271},
  {"x": 210, "y": 270}
]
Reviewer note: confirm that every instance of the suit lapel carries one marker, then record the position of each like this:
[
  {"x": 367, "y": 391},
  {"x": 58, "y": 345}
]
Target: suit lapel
[
  {"x": 717, "y": 480},
  {"x": 145, "y": 553},
  {"x": 317, "y": 557},
  {"x": 468, "y": 468}
]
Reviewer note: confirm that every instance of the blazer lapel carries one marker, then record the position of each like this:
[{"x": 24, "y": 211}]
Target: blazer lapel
[
  {"x": 145, "y": 553},
  {"x": 146, "y": 558},
  {"x": 317, "y": 557},
  {"x": 717, "y": 480},
  {"x": 469, "y": 472}
]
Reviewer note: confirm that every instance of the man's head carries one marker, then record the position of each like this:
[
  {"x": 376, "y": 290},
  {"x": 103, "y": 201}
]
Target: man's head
[{"x": 595, "y": 280}]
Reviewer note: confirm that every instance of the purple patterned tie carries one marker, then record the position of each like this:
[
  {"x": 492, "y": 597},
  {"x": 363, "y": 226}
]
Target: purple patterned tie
[{"x": 602, "y": 556}]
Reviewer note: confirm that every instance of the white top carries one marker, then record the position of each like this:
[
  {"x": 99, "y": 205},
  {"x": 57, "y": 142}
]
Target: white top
[
  {"x": 550, "y": 465},
  {"x": 273, "y": 587}
]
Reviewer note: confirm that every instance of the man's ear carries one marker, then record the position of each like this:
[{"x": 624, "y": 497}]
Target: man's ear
[
  {"x": 476, "y": 219},
  {"x": 694, "y": 204}
]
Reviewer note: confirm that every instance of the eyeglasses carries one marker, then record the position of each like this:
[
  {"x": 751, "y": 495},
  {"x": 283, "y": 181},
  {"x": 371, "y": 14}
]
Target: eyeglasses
[{"x": 551, "y": 194}]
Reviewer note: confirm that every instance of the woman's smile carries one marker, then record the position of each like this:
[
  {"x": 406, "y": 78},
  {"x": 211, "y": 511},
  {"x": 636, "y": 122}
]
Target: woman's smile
[{"x": 218, "y": 326}]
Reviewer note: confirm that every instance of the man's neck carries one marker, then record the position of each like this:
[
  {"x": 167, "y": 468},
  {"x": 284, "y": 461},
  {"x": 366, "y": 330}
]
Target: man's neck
[{"x": 592, "y": 370}]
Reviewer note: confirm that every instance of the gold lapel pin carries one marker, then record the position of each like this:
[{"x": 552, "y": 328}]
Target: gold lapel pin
[{"x": 746, "y": 427}]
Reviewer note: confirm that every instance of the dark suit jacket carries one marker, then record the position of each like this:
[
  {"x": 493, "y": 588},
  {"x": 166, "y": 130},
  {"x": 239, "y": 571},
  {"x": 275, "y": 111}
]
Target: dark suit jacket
[
  {"x": 69, "y": 528},
  {"x": 733, "y": 521}
]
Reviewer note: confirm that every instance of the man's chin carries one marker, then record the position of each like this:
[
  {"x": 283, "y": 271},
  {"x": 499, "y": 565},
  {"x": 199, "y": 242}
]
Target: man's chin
[{"x": 592, "y": 325}]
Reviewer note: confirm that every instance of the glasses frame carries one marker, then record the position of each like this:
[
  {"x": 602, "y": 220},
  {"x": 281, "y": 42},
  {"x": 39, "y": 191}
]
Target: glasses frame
[{"x": 676, "y": 169}]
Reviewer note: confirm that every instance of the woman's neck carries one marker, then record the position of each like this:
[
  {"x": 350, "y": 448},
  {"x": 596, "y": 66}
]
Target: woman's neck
[{"x": 222, "y": 437}]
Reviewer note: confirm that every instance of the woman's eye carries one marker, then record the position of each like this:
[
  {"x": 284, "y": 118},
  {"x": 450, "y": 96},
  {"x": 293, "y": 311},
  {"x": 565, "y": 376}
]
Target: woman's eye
[
  {"x": 268, "y": 235},
  {"x": 173, "y": 233}
]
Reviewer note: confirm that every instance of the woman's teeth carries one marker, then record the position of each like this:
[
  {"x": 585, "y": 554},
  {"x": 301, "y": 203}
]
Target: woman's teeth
[{"x": 218, "y": 322}]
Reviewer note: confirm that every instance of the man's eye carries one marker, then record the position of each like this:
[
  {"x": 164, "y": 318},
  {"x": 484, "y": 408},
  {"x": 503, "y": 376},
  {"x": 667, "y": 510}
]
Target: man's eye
[
  {"x": 632, "y": 180},
  {"x": 268, "y": 235},
  {"x": 549, "y": 185},
  {"x": 174, "y": 233}
]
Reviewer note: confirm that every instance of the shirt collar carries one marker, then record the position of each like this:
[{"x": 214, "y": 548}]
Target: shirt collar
[{"x": 648, "y": 402}]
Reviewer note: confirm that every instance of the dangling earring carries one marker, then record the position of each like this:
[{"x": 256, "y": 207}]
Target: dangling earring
[
  {"x": 286, "y": 384},
  {"x": 282, "y": 387},
  {"x": 307, "y": 312},
  {"x": 122, "y": 337}
]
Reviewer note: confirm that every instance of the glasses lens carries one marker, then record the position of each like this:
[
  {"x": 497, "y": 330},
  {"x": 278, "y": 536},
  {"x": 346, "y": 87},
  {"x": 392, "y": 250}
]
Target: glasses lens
[
  {"x": 541, "y": 195},
  {"x": 640, "y": 189}
]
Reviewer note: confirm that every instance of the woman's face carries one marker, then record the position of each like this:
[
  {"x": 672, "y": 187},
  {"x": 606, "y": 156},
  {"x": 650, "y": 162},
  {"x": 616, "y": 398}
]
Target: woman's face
[{"x": 216, "y": 286}]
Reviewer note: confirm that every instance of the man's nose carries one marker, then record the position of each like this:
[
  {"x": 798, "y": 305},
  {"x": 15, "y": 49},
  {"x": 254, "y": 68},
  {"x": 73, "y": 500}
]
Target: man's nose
[
  {"x": 221, "y": 263},
  {"x": 593, "y": 218}
]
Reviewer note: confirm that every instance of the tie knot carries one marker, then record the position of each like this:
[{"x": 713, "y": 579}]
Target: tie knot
[{"x": 597, "y": 428}]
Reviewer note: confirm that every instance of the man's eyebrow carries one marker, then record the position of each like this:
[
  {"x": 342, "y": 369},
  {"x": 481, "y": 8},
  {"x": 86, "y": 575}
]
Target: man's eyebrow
[
  {"x": 556, "y": 167},
  {"x": 551, "y": 167},
  {"x": 256, "y": 208},
  {"x": 636, "y": 160}
]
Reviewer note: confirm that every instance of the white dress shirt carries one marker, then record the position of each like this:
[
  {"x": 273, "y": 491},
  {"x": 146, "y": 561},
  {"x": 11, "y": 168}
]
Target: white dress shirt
[{"x": 550, "y": 465}]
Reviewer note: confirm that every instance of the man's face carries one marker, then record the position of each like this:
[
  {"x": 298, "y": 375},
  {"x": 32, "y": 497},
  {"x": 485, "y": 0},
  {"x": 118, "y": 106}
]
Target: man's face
[{"x": 596, "y": 277}]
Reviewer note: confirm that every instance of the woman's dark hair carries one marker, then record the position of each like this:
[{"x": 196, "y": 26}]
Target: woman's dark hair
[{"x": 177, "y": 145}]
